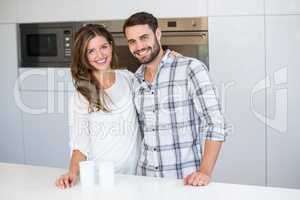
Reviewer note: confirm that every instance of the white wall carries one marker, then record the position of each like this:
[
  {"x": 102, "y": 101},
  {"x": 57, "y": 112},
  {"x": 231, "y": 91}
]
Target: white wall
[
  {"x": 11, "y": 136},
  {"x": 249, "y": 40}
]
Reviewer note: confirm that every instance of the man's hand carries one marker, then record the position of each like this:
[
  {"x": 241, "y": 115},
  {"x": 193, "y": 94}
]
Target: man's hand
[
  {"x": 197, "y": 179},
  {"x": 203, "y": 176}
]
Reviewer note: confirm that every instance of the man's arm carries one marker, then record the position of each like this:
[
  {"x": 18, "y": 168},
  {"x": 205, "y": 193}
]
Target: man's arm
[
  {"x": 211, "y": 152},
  {"x": 213, "y": 127},
  {"x": 203, "y": 176}
]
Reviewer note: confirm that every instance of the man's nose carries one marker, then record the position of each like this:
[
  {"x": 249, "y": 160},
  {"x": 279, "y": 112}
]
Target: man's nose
[{"x": 139, "y": 45}]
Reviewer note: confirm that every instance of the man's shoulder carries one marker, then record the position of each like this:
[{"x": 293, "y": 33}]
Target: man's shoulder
[{"x": 190, "y": 63}]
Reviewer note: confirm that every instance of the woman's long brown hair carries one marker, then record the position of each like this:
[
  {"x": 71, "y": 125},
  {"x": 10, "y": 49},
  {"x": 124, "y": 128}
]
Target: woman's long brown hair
[{"x": 82, "y": 72}]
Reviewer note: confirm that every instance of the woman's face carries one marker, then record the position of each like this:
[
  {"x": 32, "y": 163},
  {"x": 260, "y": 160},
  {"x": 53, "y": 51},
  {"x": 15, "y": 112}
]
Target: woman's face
[{"x": 99, "y": 53}]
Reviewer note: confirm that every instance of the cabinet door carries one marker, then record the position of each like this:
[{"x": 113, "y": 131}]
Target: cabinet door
[
  {"x": 46, "y": 132},
  {"x": 237, "y": 65},
  {"x": 47, "y": 11},
  {"x": 102, "y": 10},
  {"x": 283, "y": 110},
  {"x": 279, "y": 7},
  {"x": 169, "y": 8},
  {"x": 8, "y": 11},
  {"x": 235, "y": 7},
  {"x": 11, "y": 138}
]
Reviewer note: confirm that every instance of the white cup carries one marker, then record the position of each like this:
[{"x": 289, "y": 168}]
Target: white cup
[
  {"x": 106, "y": 174},
  {"x": 87, "y": 173}
]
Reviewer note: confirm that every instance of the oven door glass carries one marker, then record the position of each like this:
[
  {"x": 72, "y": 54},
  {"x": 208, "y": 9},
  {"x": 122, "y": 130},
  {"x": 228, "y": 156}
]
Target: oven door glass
[{"x": 187, "y": 44}]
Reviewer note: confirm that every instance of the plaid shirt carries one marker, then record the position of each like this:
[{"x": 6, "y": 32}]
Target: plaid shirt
[{"x": 175, "y": 113}]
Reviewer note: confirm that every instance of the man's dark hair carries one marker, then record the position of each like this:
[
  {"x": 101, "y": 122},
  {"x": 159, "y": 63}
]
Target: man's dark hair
[{"x": 141, "y": 18}]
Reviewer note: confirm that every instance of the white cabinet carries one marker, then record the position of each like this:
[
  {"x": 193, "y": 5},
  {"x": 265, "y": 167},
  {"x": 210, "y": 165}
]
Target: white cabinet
[
  {"x": 68, "y": 10},
  {"x": 274, "y": 7},
  {"x": 8, "y": 12},
  {"x": 45, "y": 79},
  {"x": 44, "y": 101},
  {"x": 47, "y": 11},
  {"x": 236, "y": 54},
  {"x": 46, "y": 132},
  {"x": 11, "y": 138},
  {"x": 100, "y": 10},
  {"x": 235, "y": 7},
  {"x": 169, "y": 8},
  {"x": 283, "y": 109}
]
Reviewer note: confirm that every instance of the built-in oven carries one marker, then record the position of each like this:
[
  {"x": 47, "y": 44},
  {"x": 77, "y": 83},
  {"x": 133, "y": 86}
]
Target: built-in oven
[
  {"x": 46, "y": 44},
  {"x": 187, "y": 36}
]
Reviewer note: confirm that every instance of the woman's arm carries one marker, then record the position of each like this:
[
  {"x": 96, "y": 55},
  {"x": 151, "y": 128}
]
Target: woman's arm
[{"x": 69, "y": 179}]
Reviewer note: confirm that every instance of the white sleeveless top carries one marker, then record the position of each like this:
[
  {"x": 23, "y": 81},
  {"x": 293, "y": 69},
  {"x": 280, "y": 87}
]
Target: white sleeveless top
[{"x": 111, "y": 136}]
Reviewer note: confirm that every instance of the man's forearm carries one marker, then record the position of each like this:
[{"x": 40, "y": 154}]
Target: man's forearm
[{"x": 211, "y": 152}]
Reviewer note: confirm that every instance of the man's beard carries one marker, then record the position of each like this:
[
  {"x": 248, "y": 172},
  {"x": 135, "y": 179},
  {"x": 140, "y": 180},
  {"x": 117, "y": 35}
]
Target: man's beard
[{"x": 154, "y": 53}]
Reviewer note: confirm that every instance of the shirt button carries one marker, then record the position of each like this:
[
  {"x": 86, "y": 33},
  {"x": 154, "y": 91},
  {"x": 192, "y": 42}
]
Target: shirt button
[
  {"x": 153, "y": 129},
  {"x": 156, "y": 168},
  {"x": 152, "y": 92},
  {"x": 154, "y": 149}
]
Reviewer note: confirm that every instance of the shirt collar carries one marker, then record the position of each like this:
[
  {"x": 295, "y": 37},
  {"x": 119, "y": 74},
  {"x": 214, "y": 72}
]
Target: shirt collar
[{"x": 139, "y": 74}]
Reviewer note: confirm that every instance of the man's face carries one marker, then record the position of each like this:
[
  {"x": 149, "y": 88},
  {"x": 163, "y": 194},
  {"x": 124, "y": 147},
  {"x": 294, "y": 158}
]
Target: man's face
[{"x": 143, "y": 43}]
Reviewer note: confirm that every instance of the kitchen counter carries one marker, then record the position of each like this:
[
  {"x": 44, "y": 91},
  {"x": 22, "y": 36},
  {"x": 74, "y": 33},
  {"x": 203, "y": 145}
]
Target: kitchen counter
[{"x": 22, "y": 182}]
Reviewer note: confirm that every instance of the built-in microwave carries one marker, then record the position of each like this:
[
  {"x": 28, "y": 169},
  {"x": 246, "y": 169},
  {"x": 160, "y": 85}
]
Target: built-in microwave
[{"x": 46, "y": 44}]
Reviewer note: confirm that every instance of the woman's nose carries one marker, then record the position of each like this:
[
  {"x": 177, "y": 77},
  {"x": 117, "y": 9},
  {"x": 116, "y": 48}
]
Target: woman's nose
[{"x": 99, "y": 54}]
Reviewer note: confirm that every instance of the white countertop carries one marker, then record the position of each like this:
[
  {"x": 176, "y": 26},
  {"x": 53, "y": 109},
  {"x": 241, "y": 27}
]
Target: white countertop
[{"x": 21, "y": 182}]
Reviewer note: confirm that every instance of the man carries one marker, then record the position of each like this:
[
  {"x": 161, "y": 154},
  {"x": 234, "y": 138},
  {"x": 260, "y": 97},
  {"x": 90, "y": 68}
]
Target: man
[{"x": 177, "y": 107}]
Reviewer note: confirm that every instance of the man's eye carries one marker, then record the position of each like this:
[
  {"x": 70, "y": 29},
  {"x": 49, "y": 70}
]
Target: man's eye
[{"x": 130, "y": 42}]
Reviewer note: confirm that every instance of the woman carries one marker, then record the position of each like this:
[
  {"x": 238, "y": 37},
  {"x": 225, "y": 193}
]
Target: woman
[{"x": 103, "y": 123}]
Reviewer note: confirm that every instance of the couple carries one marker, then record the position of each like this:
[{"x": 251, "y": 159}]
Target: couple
[{"x": 150, "y": 123}]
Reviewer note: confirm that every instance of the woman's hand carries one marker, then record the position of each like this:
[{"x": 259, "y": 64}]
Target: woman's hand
[{"x": 67, "y": 180}]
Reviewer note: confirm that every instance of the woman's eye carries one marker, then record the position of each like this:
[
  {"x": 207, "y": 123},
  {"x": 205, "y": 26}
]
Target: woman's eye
[{"x": 90, "y": 51}]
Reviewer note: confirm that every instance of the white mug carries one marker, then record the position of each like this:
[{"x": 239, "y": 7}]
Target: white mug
[
  {"x": 106, "y": 174},
  {"x": 87, "y": 173}
]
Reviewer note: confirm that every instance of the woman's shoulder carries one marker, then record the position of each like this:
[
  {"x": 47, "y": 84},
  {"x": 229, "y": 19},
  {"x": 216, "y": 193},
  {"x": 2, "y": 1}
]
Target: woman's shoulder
[
  {"x": 126, "y": 73},
  {"x": 78, "y": 101}
]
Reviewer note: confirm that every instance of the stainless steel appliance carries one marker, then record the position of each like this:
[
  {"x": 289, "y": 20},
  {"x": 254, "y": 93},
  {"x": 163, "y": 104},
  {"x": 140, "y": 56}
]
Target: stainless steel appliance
[
  {"x": 49, "y": 44},
  {"x": 188, "y": 36},
  {"x": 46, "y": 44}
]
